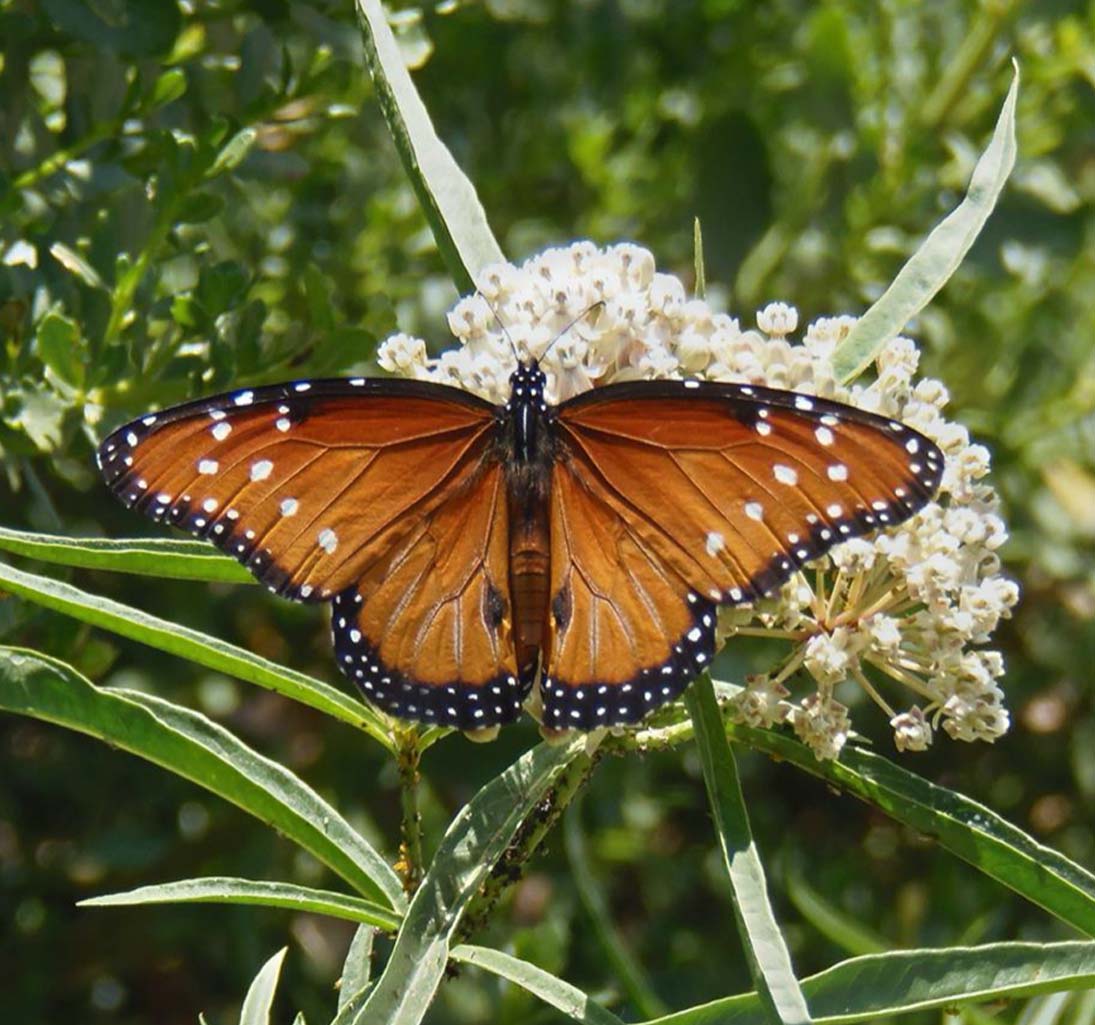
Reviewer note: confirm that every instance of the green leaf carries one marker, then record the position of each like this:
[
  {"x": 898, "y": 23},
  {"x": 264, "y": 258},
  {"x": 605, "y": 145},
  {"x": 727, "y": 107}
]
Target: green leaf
[
  {"x": 61, "y": 348},
  {"x": 225, "y": 890},
  {"x": 765, "y": 947},
  {"x": 447, "y": 197},
  {"x": 960, "y": 824},
  {"x": 197, "y": 647},
  {"x": 74, "y": 263},
  {"x": 931, "y": 266},
  {"x": 874, "y": 986},
  {"x": 233, "y": 152},
  {"x": 260, "y": 996},
  {"x": 561, "y": 995},
  {"x": 170, "y": 86},
  {"x": 199, "y": 207},
  {"x": 221, "y": 286},
  {"x": 628, "y": 971},
  {"x": 39, "y": 413},
  {"x": 194, "y": 747},
  {"x": 477, "y": 838},
  {"x": 357, "y": 968},
  {"x": 178, "y": 560}
]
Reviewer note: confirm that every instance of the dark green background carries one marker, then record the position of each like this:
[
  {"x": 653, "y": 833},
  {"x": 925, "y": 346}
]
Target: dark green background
[{"x": 818, "y": 143}]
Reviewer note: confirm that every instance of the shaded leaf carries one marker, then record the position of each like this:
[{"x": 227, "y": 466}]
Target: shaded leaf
[
  {"x": 260, "y": 996},
  {"x": 194, "y": 747},
  {"x": 475, "y": 840},
  {"x": 448, "y": 198},
  {"x": 931, "y": 266},
  {"x": 225, "y": 890}
]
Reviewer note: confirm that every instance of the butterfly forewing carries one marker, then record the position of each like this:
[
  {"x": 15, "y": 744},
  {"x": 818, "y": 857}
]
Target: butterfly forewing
[{"x": 725, "y": 490}]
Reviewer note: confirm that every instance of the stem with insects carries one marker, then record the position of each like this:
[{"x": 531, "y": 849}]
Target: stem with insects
[
  {"x": 540, "y": 821},
  {"x": 408, "y": 757}
]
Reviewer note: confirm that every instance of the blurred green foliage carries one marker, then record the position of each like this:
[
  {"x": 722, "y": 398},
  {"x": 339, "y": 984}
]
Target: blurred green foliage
[{"x": 200, "y": 194}]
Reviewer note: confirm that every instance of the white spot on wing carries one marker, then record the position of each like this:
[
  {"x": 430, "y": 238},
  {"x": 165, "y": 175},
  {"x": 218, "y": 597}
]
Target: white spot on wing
[
  {"x": 282, "y": 424},
  {"x": 245, "y": 398},
  {"x": 222, "y": 430},
  {"x": 208, "y": 467},
  {"x": 715, "y": 543},
  {"x": 328, "y": 540},
  {"x": 838, "y": 471},
  {"x": 289, "y": 506},
  {"x": 754, "y": 510},
  {"x": 784, "y": 474},
  {"x": 261, "y": 469},
  {"x": 824, "y": 435}
]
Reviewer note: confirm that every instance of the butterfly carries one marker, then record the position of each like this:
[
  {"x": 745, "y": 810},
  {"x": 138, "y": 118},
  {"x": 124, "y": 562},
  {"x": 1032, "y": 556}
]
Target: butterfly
[{"x": 469, "y": 549}]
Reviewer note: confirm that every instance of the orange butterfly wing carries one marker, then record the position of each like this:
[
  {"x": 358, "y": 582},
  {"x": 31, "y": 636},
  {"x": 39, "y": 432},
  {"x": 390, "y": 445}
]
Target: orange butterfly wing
[
  {"x": 350, "y": 491},
  {"x": 671, "y": 497}
]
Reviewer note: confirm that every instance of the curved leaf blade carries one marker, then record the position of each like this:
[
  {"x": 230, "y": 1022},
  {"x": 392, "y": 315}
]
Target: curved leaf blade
[
  {"x": 765, "y": 947},
  {"x": 178, "y": 560},
  {"x": 193, "y": 645},
  {"x": 553, "y": 991},
  {"x": 877, "y": 986},
  {"x": 477, "y": 838},
  {"x": 197, "y": 749},
  {"x": 228, "y": 890},
  {"x": 447, "y": 196},
  {"x": 932, "y": 265},
  {"x": 260, "y": 995}
]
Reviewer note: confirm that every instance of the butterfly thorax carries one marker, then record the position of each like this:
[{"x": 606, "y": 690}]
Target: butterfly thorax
[{"x": 525, "y": 421}]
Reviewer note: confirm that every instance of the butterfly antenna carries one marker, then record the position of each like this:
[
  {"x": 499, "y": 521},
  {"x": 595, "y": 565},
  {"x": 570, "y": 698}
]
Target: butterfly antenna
[
  {"x": 501, "y": 324},
  {"x": 581, "y": 316}
]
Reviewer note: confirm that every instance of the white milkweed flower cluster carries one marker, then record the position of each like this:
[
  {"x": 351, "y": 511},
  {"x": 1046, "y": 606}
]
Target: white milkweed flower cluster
[{"x": 906, "y": 610}]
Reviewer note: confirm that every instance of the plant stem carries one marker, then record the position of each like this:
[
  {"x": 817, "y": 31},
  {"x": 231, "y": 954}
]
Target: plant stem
[
  {"x": 408, "y": 756},
  {"x": 528, "y": 838}
]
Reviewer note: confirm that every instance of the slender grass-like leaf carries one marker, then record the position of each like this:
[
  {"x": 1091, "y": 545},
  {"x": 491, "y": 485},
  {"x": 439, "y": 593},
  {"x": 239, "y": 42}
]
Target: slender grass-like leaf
[
  {"x": 961, "y": 825},
  {"x": 965, "y": 827},
  {"x": 225, "y": 890},
  {"x": 197, "y": 749},
  {"x": 765, "y": 948},
  {"x": 260, "y": 996},
  {"x": 905, "y": 981},
  {"x": 629, "y": 973},
  {"x": 477, "y": 838},
  {"x": 357, "y": 968},
  {"x": 553, "y": 991},
  {"x": 179, "y": 560},
  {"x": 932, "y": 265},
  {"x": 193, "y": 645},
  {"x": 447, "y": 197}
]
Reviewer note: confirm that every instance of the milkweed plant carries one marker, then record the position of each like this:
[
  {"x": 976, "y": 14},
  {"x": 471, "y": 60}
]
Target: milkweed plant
[{"x": 905, "y": 617}]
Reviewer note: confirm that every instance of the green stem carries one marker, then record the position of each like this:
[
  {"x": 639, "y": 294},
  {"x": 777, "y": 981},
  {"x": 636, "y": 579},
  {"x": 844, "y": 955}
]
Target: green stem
[
  {"x": 55, "y": 161},
  {"x": 408, "y": 756},
  {"x": 536, "y": 826}
]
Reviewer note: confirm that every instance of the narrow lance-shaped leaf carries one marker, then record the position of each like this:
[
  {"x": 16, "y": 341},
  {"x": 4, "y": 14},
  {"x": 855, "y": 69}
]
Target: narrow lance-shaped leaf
[
  {"x": 448, "y": 198},
  {"x": 878, "y": 986},
  {"x": 932, "y": 265},
  {"x": 477, "y": 838},
  {"x": 765, "y": 948},
  {"x": 225, "y": 890},
  {"x": 357, "y": 968},
  {"x": 193, "y": 645},
  {"x": 179, "y": 560},
  {"x": 197, "y": 749},
  {"x": 961, "y": 825},
  {"x": 260, "y": 996},
  {"x": 552, "y": 990}
]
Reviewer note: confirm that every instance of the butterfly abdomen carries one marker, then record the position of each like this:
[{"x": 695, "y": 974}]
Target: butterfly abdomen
[{"x": 530, "y": 567}]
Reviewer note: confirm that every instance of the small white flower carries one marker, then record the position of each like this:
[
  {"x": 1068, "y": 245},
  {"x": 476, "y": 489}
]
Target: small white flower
[
  {"x": 911, "y": 730},
  {"x": 777, "y": 320}
]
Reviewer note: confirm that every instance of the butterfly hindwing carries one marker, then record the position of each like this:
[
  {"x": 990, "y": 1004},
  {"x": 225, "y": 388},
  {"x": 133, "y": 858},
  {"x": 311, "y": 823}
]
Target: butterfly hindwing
[
  {"x": 702, "y": 493},
  {"x": 428, "y": 633}
]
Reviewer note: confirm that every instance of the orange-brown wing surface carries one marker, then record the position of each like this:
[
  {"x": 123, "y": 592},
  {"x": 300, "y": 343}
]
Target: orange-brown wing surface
[
  {"x": 325, "y": 489},
  {"x": 671, "y": 497}
]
